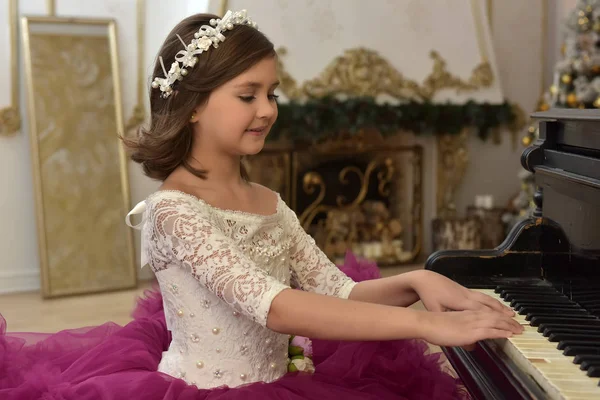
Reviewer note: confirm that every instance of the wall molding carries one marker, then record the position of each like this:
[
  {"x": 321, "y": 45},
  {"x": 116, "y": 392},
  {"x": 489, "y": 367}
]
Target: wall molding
[{"x": 26, "y": 280}]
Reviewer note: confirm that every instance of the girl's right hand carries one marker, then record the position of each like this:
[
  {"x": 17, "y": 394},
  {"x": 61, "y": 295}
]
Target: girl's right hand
[{"x": 463, "y": 328}]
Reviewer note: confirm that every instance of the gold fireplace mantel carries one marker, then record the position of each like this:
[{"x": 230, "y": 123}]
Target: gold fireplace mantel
[{"x": 363, "y": 72}]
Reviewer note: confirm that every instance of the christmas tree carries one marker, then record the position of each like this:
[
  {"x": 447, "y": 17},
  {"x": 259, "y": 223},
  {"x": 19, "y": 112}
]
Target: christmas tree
[
  {"x": 577, "y": 76},
  {"x": 576, "y": 84},
  {"x": 576, "y": 81}
]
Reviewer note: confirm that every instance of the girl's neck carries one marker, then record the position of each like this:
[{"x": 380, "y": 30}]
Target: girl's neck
[{"x": 222, "y": 170}]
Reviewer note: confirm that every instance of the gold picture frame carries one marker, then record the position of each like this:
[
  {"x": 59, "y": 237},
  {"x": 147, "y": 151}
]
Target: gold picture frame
[
  {"x": 10, "y": 116},
  {"x": 79, "y": 165}
]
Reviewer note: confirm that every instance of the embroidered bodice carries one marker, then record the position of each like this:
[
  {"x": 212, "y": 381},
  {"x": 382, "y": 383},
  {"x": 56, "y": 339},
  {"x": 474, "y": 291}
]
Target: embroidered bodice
[{"x": 219, "y": 270}]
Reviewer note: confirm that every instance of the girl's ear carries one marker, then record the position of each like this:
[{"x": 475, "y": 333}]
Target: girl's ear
[{"x": 195, "y": 114}]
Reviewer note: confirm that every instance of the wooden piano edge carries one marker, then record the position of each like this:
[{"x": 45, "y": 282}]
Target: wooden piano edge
[{"x": 488, "y": 376}]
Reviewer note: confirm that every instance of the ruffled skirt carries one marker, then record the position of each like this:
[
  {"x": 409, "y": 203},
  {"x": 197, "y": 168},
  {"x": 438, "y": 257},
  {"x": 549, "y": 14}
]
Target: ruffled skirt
[{"x": 112, "y": 362}]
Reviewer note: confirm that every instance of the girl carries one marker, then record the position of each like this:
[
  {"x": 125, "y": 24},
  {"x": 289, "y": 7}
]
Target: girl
[{"x": 227, "y": 254}]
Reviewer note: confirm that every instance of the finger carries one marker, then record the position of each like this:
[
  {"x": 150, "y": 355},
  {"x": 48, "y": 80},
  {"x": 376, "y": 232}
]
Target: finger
[
  {"x": 491, "y": 333},
  {"x": 469, "y": 347},
  {"x": 510, "y": 325},
  {"x": 492, "y": 303},
  {"x": 500, "y": 321}
]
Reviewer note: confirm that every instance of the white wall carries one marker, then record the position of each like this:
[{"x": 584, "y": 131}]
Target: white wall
[{"x": 517, "y": 42}]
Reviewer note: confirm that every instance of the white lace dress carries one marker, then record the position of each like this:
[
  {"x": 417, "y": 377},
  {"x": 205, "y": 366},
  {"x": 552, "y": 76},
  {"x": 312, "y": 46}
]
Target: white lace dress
[{"x": 219, "y": 271}]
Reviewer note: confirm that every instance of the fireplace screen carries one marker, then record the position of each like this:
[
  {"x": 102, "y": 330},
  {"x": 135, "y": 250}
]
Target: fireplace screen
[{"x": 367, "y": 201}]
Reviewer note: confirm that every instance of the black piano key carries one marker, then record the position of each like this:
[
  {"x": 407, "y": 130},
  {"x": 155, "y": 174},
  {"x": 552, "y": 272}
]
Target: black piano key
[
  {"x": 550, "y": 291},
  {"x": 546, "y": 332},
  {"x": 517, "y": 303},
  {"x": 587, "y": 364},
  {"x": 588, "y": 303},
  {"x": 557, "y": 337},
  {"x": 594, "y": 371},
  {"x": 563, "y": 344},
  {"x": 588, "y": 306},
  {"x": 536, "y": 321},
  {"x": 561, "y": 325},
  {"x": 550, "y": 298},
  {"x": 551, "y": 310},
  {"x": 530, "y": 316},
  {"x": 581, "y": 358},
  {"x": 577, "y": 292},
  {"x": 585, "y": 297},
  {"x": 500, "y": 288},
  {"x": 571, "y": 305},
  {"x": 576, "y": 350}
]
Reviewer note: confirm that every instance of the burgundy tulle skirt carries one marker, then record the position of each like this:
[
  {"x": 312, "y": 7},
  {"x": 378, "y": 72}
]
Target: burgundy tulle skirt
[{"x": 112, "y": 362}]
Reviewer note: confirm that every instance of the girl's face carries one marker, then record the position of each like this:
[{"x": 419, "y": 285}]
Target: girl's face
[{"x": 238, "y": 115}]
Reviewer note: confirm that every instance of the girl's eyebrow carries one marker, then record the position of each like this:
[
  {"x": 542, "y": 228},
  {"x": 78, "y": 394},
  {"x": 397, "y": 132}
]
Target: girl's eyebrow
[{"x": 254, "y": 85}]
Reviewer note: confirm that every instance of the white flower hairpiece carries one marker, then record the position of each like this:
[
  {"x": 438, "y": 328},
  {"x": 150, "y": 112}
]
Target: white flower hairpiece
[{"x": 206, "y": 37}]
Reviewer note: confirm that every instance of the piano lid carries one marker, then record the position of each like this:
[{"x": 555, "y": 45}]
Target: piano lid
[{"x": 566, "y": 163}]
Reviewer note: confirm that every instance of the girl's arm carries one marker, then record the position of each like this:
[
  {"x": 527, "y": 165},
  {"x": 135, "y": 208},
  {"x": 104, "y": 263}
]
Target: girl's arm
[
  {"x": 392, "y": 291},
  {"x": 330, "y": 318}
]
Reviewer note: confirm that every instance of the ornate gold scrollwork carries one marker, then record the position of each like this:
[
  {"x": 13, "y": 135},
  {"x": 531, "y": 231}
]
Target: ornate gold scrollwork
[
  {"x": 452, "y": 162},
  {"x": 363, "y": 72},
  {"x": 350, "y": 215}
]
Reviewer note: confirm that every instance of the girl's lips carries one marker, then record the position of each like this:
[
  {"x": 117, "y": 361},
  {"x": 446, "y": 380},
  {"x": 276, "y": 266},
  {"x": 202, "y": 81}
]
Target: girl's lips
[{"x": 256, "y": 131}]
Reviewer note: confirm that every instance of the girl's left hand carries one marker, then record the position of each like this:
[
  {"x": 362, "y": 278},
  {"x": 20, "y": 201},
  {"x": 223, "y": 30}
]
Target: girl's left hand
[{"x": 439, "y": 293}]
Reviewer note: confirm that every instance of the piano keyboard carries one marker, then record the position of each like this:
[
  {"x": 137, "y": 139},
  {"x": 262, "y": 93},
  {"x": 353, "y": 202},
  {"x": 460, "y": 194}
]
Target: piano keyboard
[{"x": 560, "y": 345}]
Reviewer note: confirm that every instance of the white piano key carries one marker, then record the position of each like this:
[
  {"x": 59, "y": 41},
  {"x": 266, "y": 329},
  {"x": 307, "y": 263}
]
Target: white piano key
[{"x": 556, "y": 373}]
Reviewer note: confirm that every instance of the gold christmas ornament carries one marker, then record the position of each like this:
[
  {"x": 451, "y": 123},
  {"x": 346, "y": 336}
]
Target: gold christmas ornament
[
  {"x": 597, "y": 102},
  {"x": 566, "y": 79},
  {"x": 553, "y": 89},
  {"x": 572, "y": 99},
  {"x": 526, "y": 141}
]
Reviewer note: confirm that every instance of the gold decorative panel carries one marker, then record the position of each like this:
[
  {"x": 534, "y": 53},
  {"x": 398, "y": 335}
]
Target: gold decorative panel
[
  {"x": 10, "y": 117},
  {"x": 79, "y": 166}
]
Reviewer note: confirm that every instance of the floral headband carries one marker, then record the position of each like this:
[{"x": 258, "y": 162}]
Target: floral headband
[{"x": 206, "y": 37}]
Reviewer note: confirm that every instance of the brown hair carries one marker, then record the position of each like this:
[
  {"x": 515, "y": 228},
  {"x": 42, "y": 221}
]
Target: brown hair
[{"x": 167, "y": 143}]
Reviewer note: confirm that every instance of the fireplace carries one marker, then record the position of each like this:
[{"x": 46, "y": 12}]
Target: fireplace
[{"x": 354, "y": 193}]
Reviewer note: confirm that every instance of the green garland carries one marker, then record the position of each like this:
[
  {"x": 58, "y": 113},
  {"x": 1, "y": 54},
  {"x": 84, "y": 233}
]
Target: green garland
[{"x": 319, "y": 118}]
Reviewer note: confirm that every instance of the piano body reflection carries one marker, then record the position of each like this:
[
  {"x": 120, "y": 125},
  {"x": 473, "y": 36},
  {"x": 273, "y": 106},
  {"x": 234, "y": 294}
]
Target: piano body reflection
[{"x": 547, "y": 270}]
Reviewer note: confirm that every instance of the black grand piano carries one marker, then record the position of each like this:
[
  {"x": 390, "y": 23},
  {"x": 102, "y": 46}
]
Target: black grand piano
[{"x": 547, "y": 269}]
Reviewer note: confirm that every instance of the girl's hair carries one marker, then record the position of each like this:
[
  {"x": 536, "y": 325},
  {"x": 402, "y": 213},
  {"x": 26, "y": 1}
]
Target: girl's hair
[{"x": 167, "y": 143}]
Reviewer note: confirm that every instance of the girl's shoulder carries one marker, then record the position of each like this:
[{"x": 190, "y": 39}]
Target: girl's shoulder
[{"x": 178, "y": 198}]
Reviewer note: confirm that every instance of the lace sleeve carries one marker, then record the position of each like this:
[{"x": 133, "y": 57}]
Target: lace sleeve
[
  {"x": 311, "y": 268},
  {"x": 180, "y": 234}
]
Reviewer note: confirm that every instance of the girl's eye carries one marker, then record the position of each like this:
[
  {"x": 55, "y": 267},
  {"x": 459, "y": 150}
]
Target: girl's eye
[{"x": 250, "y": 99}]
